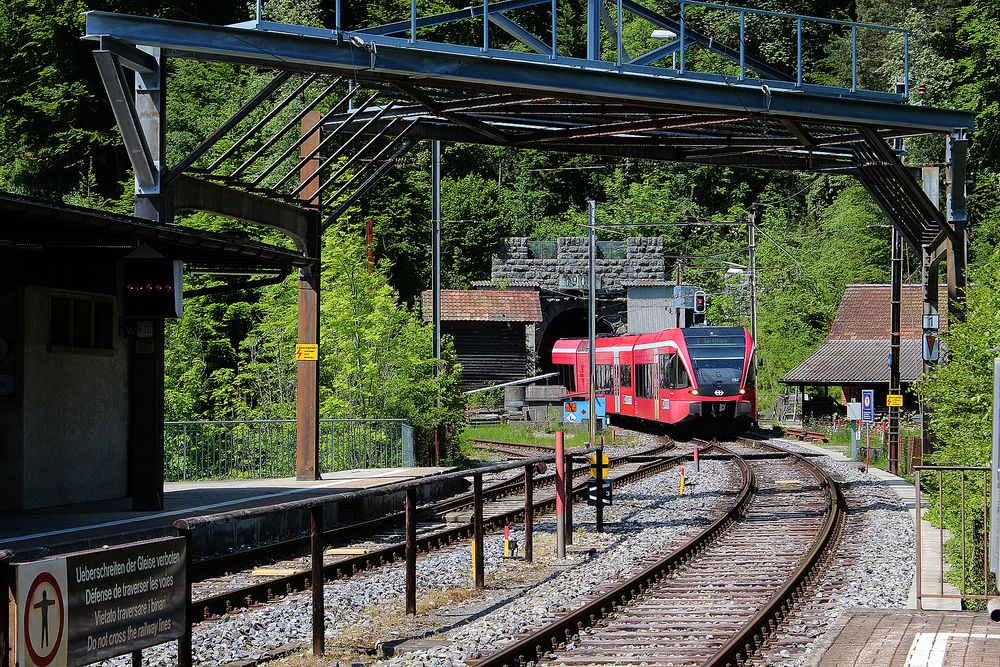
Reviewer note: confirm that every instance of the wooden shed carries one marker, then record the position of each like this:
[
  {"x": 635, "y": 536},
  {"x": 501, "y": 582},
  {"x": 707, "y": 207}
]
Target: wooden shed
[{"x": 493, "y": 332}]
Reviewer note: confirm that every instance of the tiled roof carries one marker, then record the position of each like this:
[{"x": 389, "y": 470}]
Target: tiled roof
[
  {"x": 856, "y": 362},
  {"x": 864, "y": 312},
  {"x": 486, "y": 305},
  {"x": 498, "y": 283}
]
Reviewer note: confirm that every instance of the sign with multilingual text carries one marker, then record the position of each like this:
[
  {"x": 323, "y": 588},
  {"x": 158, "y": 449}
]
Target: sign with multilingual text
[{"x": 99, "y": 604}]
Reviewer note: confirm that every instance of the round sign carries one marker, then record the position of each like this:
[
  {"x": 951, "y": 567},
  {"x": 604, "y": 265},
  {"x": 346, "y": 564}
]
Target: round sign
[
  {"x": 866, "y": 400},
  {"x": 43, "y": 619},
  {"x": 604, "y": 465}
]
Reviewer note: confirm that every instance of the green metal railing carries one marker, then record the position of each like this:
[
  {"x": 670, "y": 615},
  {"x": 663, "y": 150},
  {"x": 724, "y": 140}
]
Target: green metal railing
[{"x": 265, "y": 449}]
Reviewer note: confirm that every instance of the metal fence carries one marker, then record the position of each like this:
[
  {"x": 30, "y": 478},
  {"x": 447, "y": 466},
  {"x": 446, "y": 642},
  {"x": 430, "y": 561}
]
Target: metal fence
[
  {"x": 961, "y": 519},
  {"x": 265, "y": 449}
]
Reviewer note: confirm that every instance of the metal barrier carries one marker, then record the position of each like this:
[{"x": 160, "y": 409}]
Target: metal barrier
[
  {"x": 963, "y": 529},
  {"x": 265, "y": 449},
  {"x": 686, "y": 26}
]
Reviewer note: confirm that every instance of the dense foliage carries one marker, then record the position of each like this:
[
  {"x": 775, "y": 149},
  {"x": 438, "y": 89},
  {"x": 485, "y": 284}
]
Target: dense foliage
[{"x": 228, "y": 356}]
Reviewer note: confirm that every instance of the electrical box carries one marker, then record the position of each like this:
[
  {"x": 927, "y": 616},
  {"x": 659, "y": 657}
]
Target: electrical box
[{"x": 152, "y": 288}]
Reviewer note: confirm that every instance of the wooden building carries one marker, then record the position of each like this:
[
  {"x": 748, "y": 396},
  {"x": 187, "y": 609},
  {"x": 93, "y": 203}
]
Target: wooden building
[
  {"x": 493, "y": 332},
  {"x": 855, "y": 355}
]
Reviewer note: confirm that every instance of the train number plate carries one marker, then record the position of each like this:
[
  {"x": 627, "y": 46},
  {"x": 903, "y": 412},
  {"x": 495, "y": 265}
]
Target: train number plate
[{"x": 665, "y": 403}]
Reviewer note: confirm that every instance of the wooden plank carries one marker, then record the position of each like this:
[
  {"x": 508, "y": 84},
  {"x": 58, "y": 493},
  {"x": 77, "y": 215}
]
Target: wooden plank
[
  {"x": 346, "y": 551},
  {"x": 274, "y": 571}
]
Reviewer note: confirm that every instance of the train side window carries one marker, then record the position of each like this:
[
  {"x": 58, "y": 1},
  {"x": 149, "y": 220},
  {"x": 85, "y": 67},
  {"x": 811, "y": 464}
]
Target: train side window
[
  {"x": 665, "y": 363},
  {"x": 644, "y": 381},
  {"x": 752, "y": 371},
  {"x": 625, "y": 375},
  {"x": 603, "y": 383},
  {"x": 678, "y": 374}
]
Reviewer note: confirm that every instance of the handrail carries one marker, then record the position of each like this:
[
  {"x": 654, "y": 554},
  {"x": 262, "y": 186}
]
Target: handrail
[{"x": 190, "y": 523}]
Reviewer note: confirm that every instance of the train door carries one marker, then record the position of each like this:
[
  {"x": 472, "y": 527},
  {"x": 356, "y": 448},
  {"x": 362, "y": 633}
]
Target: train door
[
  {"x": 616, "y": 383},
  {"x": 656, "y": 384}
]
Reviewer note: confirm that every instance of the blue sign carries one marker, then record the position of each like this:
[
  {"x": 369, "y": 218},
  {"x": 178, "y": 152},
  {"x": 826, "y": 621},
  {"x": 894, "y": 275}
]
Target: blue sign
[
  {"x": 575, "y": 412},
  {"x": 868, "y": 405}
]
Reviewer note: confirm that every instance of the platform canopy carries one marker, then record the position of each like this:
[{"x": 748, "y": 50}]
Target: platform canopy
[
  {"x": 517, "y": 88},
  {"x": 29, "y": 226}
]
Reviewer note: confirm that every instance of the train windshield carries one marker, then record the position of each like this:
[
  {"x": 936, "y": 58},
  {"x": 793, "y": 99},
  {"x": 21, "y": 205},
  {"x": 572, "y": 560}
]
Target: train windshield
[{"x": 717, "y": 362}]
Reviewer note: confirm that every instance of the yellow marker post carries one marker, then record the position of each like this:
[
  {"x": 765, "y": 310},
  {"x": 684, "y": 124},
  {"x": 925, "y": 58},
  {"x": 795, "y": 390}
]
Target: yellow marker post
[
  {"x": 473, "y": 561},
  {"x": 682, "y": 482}
]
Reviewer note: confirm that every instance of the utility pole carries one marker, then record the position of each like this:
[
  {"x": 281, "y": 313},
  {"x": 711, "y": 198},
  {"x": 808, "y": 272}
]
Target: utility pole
[
  {"x": 436, "y": 275},
  {"x": 592, "y": 315},
  {"x": 752, "y": 221}
]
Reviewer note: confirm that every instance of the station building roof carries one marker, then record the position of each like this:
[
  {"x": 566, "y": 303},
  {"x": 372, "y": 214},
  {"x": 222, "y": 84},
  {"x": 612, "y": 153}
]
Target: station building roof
[
  {"x": 485, "y": 305},
  {"x": 857, "y": 348},
  {"x": 29, "y": 225}
]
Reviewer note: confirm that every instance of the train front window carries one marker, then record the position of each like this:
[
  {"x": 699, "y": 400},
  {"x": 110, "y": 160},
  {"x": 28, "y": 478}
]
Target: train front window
[{"x": 717, "y": 363}]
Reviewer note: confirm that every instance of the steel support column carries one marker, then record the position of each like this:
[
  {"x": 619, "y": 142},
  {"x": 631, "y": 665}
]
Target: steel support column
[
  {"x": 593, "y": 29},
  {"x": 894, "y": 346},
  {"x": 307, "y": 465},
  {"x": 436, "y": 273},
  {"x": 955, "y": 158},
  {"x": 145, "y": 357},
  {"x": 592, "y": 319}
]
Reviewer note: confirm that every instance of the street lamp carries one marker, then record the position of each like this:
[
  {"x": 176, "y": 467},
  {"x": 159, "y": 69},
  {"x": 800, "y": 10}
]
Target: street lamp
[{"x": 664, "y": 35}]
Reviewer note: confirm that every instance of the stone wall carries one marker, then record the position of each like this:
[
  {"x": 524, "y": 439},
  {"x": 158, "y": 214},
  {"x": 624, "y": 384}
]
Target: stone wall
[{"x": 643, "y": 262}]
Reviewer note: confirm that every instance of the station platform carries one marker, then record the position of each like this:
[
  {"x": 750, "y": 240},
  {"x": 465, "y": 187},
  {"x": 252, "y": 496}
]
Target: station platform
[
  {"x": 908, "y": 638},
  {"x": 38, "y": 533}
]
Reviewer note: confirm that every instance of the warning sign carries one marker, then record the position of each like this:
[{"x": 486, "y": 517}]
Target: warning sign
[
  {"x": 602, "y": 465},
  {"x": 99, "y": 604},
  {"x": 894, "y": 400},
  {"x": 306, "y": 352},
  {"x": 42, "y": 617}
]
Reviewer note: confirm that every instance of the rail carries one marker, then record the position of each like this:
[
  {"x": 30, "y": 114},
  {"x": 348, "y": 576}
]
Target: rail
[
  {"x": 962, "y": 517},
  {"x": 265, "y": 448},
  {"x": 741, "y": 646}
]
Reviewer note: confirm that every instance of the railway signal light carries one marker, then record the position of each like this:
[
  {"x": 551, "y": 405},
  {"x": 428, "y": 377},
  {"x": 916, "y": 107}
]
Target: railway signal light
[{"x": 699, "y": 302}]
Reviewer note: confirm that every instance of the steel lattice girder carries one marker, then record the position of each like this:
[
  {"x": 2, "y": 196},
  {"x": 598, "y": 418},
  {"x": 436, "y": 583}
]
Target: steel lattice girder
[
  {"x": 388, "y": 59},
  {"x": 461, "y": 93}
]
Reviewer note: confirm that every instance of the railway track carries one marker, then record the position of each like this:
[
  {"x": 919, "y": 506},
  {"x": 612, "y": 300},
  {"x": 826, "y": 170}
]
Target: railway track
[
  {"x": 440, "y": 525},
  {"x": 714, "y": 601}
]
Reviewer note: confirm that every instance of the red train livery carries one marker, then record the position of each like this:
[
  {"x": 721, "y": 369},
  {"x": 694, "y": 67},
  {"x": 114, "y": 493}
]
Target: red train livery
[{"x": 699, "y": 377}]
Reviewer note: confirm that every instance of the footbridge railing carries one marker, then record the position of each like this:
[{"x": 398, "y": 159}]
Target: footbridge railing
[{"x": 265, "y": 449}]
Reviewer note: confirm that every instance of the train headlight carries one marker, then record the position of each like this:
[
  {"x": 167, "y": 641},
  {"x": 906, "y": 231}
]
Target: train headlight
[
  {"x": 742, "y": 391},
  {"x": 694, "y": 392}
]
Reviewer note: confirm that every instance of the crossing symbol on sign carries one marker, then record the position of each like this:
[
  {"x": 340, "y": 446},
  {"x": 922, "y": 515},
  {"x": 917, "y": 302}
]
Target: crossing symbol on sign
[{"x": 44, "y": 620}]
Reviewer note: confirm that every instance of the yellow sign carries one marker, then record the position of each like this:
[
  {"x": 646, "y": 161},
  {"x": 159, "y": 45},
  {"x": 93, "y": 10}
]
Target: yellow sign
[
  {"x": 306, "y": 352},
  {"x": 894, "y": 400},
  {"x": 604, "y": 465}
]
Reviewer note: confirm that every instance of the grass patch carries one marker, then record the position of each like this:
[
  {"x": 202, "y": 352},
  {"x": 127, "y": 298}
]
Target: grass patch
[{"x": 524, "y": 434}]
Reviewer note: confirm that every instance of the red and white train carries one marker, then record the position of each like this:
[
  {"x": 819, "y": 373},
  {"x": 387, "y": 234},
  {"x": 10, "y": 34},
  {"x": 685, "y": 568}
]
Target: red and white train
[{"x": 700, "y": 377}]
